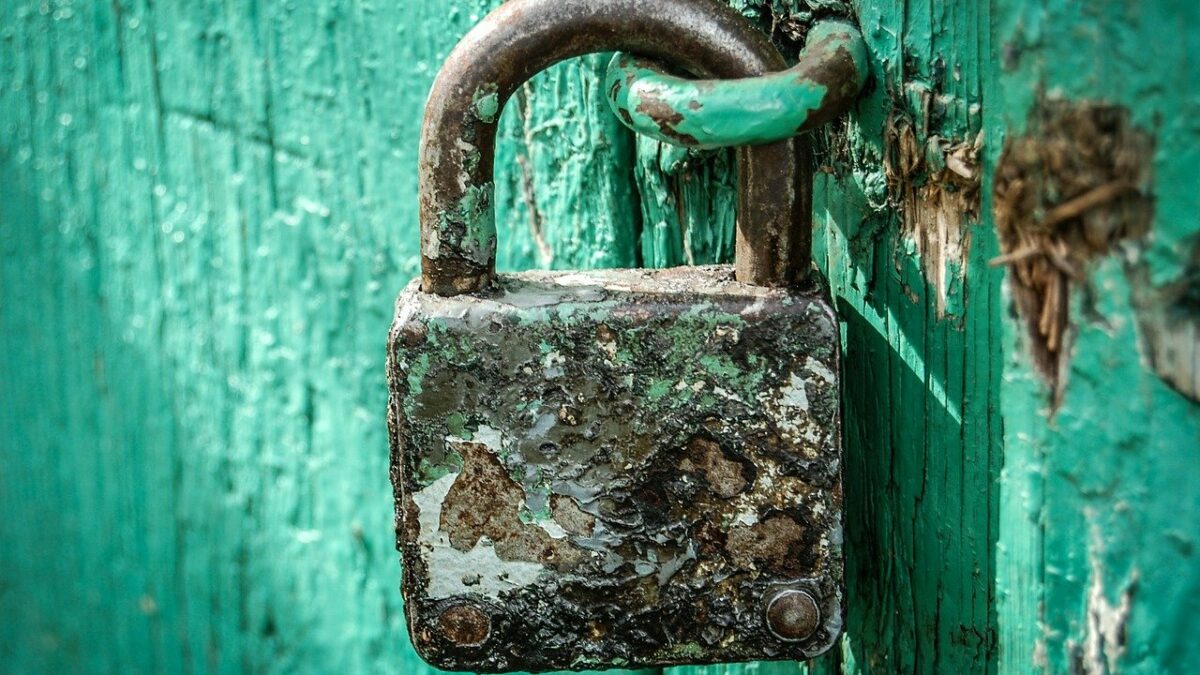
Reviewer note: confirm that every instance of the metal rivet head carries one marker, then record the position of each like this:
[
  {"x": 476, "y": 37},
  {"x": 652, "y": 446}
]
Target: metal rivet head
[
  {"x": 793, "y": 615},
  {"x": 465, "y": 625}
]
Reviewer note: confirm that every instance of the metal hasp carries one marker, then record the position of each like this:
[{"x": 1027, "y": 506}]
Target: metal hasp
[
  {"x": 825, "y": 81},
  {"x": 616, "y": 468}
]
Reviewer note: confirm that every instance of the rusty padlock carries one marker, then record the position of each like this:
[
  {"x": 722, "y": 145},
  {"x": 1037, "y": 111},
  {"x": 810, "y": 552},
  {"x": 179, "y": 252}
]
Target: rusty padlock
[{"x": 616, "y": 468}]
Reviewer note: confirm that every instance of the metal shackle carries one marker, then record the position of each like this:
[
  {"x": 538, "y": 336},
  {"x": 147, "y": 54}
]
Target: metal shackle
[
  {"x": 827, "y": 78},
  {"x": 524, "y": 37}
]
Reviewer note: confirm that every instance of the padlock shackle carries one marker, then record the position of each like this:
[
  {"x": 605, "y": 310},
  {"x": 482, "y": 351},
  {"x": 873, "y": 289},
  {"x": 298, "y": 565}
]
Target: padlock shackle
[{"x": 524, "y": 37}]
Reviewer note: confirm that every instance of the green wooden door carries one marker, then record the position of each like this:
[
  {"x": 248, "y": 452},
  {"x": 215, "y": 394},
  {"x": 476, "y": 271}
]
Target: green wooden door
[{"x": 207, "y": 208}]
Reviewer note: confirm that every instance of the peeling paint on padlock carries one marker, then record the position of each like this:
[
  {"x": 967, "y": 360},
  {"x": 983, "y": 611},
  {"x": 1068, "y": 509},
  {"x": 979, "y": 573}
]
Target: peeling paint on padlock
[
  {"x": 830, "y": 73},
  {"x": 617, "y": 467}
]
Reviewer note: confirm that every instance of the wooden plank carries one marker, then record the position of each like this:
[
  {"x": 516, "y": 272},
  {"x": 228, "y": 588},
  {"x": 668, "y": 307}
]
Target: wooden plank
[
  {"x": 1100, "y": 510},
  {"x": 208, "y": 208}
]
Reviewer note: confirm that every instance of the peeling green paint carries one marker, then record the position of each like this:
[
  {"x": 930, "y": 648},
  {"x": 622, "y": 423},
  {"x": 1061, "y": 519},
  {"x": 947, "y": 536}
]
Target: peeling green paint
[
  {"x": 713, "y": 114},
  {"x": 209, "y": 206},
  {"x": 1101, "y": 509},
  {"x": 487, "y": 104},
  {"x": 472, "y": 224}
]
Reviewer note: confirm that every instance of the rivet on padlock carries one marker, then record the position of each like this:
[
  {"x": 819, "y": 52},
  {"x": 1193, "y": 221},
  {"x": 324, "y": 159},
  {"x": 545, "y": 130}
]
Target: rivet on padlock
[{"x": 616, "y": 468}]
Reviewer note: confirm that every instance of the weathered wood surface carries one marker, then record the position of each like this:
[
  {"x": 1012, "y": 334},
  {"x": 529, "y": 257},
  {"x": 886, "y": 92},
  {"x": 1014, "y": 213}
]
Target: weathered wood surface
[{"x": 208, "y": 208}]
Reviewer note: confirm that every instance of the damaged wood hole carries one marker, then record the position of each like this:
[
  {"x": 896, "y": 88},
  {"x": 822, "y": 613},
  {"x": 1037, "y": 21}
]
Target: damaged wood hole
[
  {"x": 935, "y": 185},
  {"x": 1066, "y": 193}
]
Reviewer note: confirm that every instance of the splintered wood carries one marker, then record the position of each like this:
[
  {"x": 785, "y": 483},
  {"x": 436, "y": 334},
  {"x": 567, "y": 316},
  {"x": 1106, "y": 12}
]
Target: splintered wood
[{"x": 1067, "y": 191}]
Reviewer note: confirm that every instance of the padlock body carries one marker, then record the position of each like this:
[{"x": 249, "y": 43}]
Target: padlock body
[{"x": 619, "y": 468}]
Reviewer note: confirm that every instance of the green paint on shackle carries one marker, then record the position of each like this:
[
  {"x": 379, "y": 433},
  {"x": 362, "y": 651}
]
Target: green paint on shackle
[{"x": 747, "y": 111}]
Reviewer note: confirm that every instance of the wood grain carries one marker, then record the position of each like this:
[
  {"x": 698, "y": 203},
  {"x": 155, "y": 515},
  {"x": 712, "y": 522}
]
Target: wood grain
[{"x": 208, "y": 207}]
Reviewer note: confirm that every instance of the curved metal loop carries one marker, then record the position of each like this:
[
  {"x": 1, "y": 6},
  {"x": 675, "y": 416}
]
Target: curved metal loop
[
  {"x": 721, "y": 113},
  {"x": 523, "y": 37}
]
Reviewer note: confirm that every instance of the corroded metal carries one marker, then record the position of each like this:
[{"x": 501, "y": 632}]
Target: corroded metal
[
  {"x": 617, "y": 469},
  {"x": 522, "y": 37},
  {"x": 694, "y": 113},
  {"x": 793, "y": 615}
]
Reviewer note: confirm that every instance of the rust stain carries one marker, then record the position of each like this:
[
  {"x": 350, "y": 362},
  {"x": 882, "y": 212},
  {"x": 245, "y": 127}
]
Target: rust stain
[
  {"x": 570, "y": 517},
  {"x": 725, "y": 477},
  {"x": 465, "y": 625},
  {"x": 773, "y": 544},
  {"x": 666, "y": 117},
  {"x": 484, "y": 501}
]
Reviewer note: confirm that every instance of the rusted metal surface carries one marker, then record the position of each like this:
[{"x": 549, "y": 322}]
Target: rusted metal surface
[
  {"x": 617, "y": 468},
  {"x": 694, "y": 113},
  {"x": 523, "y": 37}
]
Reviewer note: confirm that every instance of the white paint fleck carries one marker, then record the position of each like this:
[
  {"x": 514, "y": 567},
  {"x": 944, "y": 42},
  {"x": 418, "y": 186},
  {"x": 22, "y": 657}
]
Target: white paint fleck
[
  {"x": 465, "y": 149},
  {"x": 552, "y": 365},
  {"x": 429, "y": 503},
  {"x": 312, "y": 207},
  {"x": 725, "y": 393},
  {"x": 449, "y": 566},
  {"x": 817, "y": 368},
  {"x": 747, "y": 517},
  {"x": 552, "y": 528},
  {"x": 755, "y": 308},
  {"x": 1040, "y": 658},
  {"x": 431, "y": 244},
  {"x": 793, "y": 394},
  {"x": 493, "y": 439},
  {"x": 1104, "y": 638},
  {"x": 727, "y": 333}
]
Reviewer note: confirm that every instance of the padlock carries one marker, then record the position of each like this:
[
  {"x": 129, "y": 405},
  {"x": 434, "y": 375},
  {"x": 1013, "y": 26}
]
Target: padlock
[{"x": 618, "y": 468}]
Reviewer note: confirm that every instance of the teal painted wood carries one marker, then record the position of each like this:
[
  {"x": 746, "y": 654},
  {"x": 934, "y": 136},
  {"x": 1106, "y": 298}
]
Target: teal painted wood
[
  {"x": 208, "y": 208},
  {"x": 1101, "y": 503}
]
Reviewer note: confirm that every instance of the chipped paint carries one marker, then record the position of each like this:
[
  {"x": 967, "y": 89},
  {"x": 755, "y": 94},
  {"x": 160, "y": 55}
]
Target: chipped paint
[
  {"x": 1105, "y": 623},
  {"x": 1106, "y": 627},
  {"x": 793, "y": 395},
  {"x": 486, "y": 103},
  {"x": 935, "y": 184},
  {"x": 600, "y": 501},
  {"x": 1067, "y": 193},
  {"x": 477, "y": 570},
  {"x": 722, "y": 113}
]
